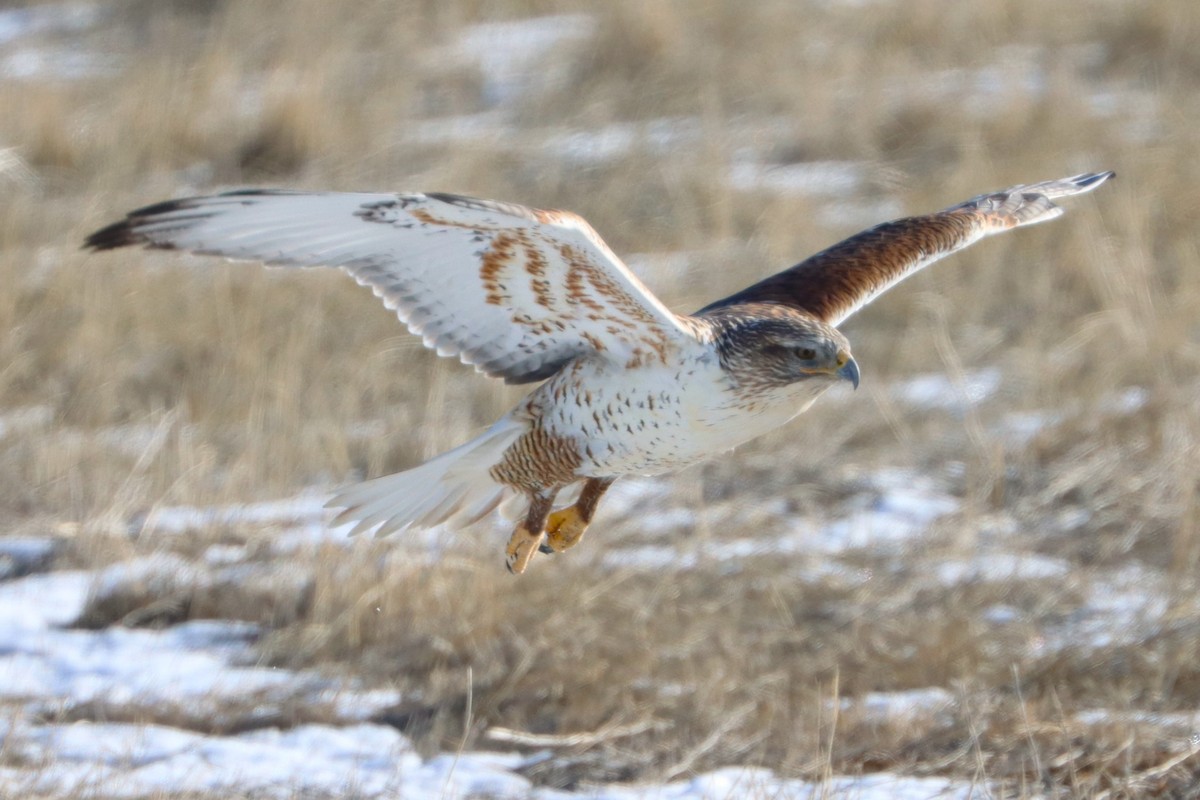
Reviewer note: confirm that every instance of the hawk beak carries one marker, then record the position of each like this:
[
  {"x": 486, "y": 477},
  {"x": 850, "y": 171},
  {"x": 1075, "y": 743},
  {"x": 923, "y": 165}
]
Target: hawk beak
[{"x": 849, "y": 371}]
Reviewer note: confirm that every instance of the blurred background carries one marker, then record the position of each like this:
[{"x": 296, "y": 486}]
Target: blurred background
[{"x": 979, "y": 568}]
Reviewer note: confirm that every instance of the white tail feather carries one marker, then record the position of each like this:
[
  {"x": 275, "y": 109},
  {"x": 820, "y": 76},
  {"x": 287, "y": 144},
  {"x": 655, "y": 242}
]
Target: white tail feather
[
  {"x": 513, "y": 508},
  {"x": 455, "y": 487}
]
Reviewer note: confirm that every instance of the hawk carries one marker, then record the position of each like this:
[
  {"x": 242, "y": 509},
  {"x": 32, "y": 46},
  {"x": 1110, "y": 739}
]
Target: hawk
[{"x": 626, "y": 386}]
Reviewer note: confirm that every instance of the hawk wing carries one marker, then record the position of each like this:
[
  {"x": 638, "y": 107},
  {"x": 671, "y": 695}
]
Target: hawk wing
[
  {"x": 515, "y": 291},
  {"x": 836, "y": 282}
]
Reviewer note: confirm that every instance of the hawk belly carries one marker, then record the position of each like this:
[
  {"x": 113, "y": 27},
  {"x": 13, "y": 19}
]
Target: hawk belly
[{"x": 655, "y": 418}]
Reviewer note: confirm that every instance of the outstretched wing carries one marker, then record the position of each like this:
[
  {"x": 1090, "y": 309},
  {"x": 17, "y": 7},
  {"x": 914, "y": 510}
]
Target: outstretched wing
[
  {"x": 515, "y": 291},
  {"x": 836, "y": 282}
]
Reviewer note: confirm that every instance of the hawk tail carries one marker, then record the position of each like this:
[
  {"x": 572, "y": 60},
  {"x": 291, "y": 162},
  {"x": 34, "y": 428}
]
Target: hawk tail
[{"x": 454, "y": 487}]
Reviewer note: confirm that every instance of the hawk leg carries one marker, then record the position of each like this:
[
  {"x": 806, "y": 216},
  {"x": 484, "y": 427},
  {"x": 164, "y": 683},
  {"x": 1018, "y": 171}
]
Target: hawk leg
[
  {"x": 565, "y": 527},
  {"x": 528, "y": 534}
]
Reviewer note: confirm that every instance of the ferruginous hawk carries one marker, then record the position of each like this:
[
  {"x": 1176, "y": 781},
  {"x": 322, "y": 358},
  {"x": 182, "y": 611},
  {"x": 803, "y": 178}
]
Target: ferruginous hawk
[{"x": 626, "y": 385}]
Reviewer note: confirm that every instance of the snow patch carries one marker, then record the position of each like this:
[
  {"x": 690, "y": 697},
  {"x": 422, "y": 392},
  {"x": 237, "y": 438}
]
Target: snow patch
[
  {"x": 893, "y": 508},
  {"x": 39, "y": 602},
  {"x": 897, "y": 507},
  {"x": 55, "y": 62},
  {"x": 1120, "y": 607},
  {"x": 122, "y": 760},
  {"x": 22, "y": 59},
  {"x": 25, "y": 418},
  {"x": 304, "y": 509},
  {"x": 632, "y": 495},
  {"x": 1020, "y": 427},
  {"x": 201, "y": 669},
  {"x": 510, "y": 55},
  {"x": 811, "y": 177},
  {"x": 899, "y": 706},
  {"x": 1127, "y": 401},
  {"x": 192, "y": 668},
  {"x": 1185, "y": 720},
  {"x": 20, "y": 555},
  {"x": 613, "y": 141},
  {"x": 19, "y": 23},
  {"x": 937, "y": 391},
  {"x": 368, "y": 761},
  {"x": 733, "y": 782},
  {"x": 991, "y": 567},
  {"x": 489, "y": 126}
]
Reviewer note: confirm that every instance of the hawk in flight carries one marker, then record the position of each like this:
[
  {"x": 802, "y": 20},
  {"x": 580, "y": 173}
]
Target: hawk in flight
[{"x": 625, "y": 385}]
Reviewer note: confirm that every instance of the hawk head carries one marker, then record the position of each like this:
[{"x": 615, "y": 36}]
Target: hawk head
[{"x": 765, "y": 346}]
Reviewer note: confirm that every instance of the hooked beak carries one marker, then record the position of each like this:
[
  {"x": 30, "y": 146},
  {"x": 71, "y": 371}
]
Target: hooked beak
[{"x": 849, "y": 371}]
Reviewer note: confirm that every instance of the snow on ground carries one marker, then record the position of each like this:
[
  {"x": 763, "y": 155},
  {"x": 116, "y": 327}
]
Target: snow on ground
[
  {"x": 491, "y": 127},
  {"x": 27, "y": 418},
  {"x": 996, "y": 567},
  {"x": 54, "y": 61},
  {"x": 897, "y": 507},
  {"x": 1120, "y": 607},
  {"x": 23, "y": 56},
  {"x": 510, "y": 55},
  {"x": 937, "y": 391},
  {"x": 303, "y": 510},
  {"x": 297, "y": 522},
  {"x": 199, "y": 668},
  {"x": 1115, "y": 608},
  {"x": 578, "y": 147},
  {"x": 47, "y": 669},
  {"x": 608, "y": 142},
  {"x": 1188, "y": 721},
  {"x": 808, "y": 177},
  {"x": 20, "y": 555},
  {"x": 19, "y": 23},
  {"x": 893, "y": 706},
  {"x": 202, "y": 669},
  {"x": 370, "y": 761},
  {"x": 840, "y": 186},
  {"x": 194, "y": 669},
  {"x": 1020, "y": 427},
  {"x": 892, "y": 508}
]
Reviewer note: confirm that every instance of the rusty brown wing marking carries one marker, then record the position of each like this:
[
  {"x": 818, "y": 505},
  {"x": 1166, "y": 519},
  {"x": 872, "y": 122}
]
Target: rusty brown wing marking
[
  {"x": 838, "y": 281},
  {"x": 517, "y": 292}
]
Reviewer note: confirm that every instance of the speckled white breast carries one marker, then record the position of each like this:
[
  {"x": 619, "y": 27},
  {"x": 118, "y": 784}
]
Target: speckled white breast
[{"x": 654, "y": 418}]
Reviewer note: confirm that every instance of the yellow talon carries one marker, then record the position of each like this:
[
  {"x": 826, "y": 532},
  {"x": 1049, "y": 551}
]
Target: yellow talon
[
  {"x": 521, "y": 547},
  {"x": 564, "y": 529}
]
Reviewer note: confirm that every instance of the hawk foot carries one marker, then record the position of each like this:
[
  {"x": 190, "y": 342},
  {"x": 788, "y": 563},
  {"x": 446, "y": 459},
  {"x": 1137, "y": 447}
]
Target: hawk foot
[
  {"x": 564, "y": 529},
  {"x": 521, "y": 547}
]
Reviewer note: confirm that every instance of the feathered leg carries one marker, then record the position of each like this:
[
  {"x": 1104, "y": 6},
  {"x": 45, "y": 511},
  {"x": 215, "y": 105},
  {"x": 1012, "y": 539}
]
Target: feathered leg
[
  {"x": 565, "y": 528},
  {"x": 528, "y": 534}
]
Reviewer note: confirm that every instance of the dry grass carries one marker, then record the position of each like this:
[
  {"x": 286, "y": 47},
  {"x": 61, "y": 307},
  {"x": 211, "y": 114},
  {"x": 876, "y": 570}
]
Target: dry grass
[{"x": 162, "y": 380}]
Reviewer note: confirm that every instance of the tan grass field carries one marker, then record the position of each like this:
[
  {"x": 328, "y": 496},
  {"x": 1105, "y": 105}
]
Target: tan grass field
[{"x": 139, "y": 381}]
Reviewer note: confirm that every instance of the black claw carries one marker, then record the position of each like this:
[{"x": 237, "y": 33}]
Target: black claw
[{"x": 547, "y": 549}]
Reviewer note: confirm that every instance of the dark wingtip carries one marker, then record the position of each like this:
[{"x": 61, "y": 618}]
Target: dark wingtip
[
  {"x": 125, "y": 232},
  {"x": 119, "y": 234},
  {"x": 1087, "y": 181}
]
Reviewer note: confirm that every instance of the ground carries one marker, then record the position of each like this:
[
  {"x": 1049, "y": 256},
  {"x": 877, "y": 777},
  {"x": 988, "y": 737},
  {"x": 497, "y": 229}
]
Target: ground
[{"x": 974, "y": 577}]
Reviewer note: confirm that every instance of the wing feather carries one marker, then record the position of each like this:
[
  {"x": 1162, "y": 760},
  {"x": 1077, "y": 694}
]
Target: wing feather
[
  {"x": 515, "y": 291},
  {"x": 836, "y": 282}
]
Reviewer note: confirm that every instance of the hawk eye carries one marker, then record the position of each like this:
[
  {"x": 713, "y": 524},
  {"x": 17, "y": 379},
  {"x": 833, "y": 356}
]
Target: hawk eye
[{"x": 806, "y": 353}]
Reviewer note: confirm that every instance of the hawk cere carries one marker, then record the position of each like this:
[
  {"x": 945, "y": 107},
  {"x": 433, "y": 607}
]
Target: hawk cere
[{"x": 629, "y": 387}]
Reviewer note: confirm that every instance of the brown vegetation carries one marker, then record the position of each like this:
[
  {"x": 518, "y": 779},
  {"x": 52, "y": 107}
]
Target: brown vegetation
[{"x": 158, "y": 380}]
